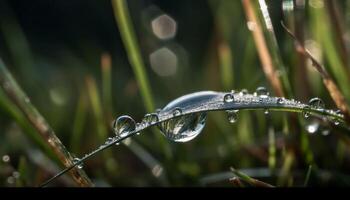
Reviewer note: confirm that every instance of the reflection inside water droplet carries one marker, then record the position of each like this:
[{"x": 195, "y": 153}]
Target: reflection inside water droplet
[
  {"x": 228, "y": 98},
  {"x": 316, "y": 103},
  {"x": 261, "y": 92},
  {"x": 123, "y": 125},
  {"x": 232, "y": 116},
  {"x": 184, "y": 128}
]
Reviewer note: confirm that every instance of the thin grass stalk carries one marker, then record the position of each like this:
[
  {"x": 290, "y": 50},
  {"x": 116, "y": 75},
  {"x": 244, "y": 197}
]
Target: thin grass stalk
[
  {"x": 250, "y": 180},
  {"x": 263, "y": 52},
  {"x": 337, "y": 23},
  {"x": 19, "y": 98},
  {"x": 129, "y": 39},
  {"x": 128, "y": 35},
  {"x": 332, "y": 88}
]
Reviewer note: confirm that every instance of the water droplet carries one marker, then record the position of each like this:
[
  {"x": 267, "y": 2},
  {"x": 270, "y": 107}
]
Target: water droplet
[
  {"x": 336, "y": 121},
  {"x": 109, "y": 140},
  {"x": 316, "y": 103},
  {"x": 228, "y": 98},
  {"x": 6, "y": 158},
  {"x": 75, "y": 160},
  {"x": 325, "y": 132},
  {"x": 232, "y": 116},
  {"x": 243, "y": 92},
  {"x": 280, "y": 100},
  {"x": 312, "y": 127},
  {"x": 150, "y": 118},
  {"x": 261, "y": 92},
  {"x": 266, "y": 112},
  {"x": 177, "y": 112},
  {"x": 185, "y": 127},
  {"x": 138, "y": 133},
  {"x": 306, "y": 112},
  {"x": 123, "y": 125},
  {"x": 117, "y": 143}
]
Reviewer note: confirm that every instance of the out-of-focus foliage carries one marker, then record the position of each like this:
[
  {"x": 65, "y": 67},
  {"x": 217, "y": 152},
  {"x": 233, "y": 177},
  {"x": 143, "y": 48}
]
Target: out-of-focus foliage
[{"x": 69, "y": 57}]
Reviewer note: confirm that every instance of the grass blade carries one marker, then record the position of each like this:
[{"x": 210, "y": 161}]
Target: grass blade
[
  {"x": 15, "y": 93},
  {"x": 128, "y": 35},
  {"x": 250, "y": 180},
  {"x": 332, "y": 88},
  {"x": 308, "y": 175},
  {"x": 264, "y": 54}
]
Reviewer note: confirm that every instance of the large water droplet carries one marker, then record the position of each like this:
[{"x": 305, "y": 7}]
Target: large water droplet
[
  {"x": 123, "y": 125},
  {"x": 316, "y": 103},
  {"x": 228, "y": 98},
  {"x": 75, "y": 160},
  {"x": 232, "y": 116},
  {"x": 184, "y": 128},
  {"x": 261, "y": 92}
]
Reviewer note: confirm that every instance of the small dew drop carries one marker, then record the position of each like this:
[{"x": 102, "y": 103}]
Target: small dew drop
[
  {"x": 243, "y": 92},
  {"x": 262, "y": 92},
  {"x": 150, "y": 118},
  {"x": 312, "y": 127},
  {"x": 306, "y": 112},
  {"x": 325, "y": 132},
  {"x": 117, "y": 143},
  {"x": 75, "y": 160},
  {"x": 280, "y": 100},
  {"x": 232, "y": 116},
  {"x": 266, "y": 112},
  {"x": 138, "y": 133},
  {"x": 123, "y": 125},
  {"x": 228, "y": 98},
  {"x": 316, "y": 103},
  {"x": 109, "y": 140},
  {"x": 177, "y": 112}
]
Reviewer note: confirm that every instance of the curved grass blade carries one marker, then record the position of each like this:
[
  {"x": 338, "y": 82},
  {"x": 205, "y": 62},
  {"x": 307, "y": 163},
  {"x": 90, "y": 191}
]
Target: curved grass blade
[{"x": 216, "y": 103}]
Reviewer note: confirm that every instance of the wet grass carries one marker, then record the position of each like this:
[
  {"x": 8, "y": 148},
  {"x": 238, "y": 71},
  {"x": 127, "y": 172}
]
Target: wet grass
[{"x": 80, "y": 77}]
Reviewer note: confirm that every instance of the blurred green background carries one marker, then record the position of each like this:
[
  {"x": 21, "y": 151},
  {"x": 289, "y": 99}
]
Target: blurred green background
[{"x": 70, "y": 59}]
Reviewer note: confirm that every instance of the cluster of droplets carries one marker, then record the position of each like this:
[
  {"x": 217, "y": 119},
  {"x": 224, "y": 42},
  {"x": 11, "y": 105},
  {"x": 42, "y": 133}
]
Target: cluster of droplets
[{"x": 182, "y": 127}]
